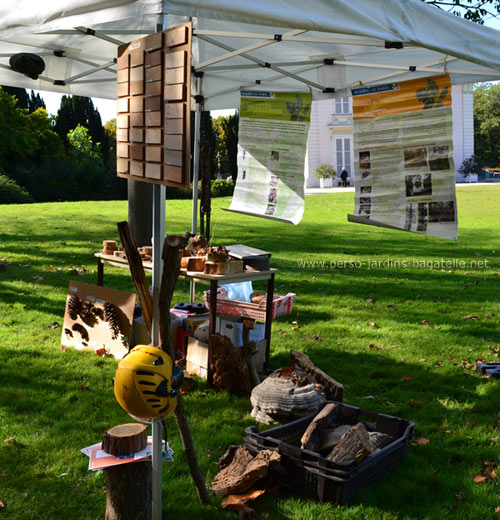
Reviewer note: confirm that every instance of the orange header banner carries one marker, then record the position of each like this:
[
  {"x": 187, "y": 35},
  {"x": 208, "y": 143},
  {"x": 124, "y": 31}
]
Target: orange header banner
[{"x": 400, "y": 98}]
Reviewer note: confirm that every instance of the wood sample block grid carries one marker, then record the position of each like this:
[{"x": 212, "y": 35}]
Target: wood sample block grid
[{"x": 153, "y": 104}]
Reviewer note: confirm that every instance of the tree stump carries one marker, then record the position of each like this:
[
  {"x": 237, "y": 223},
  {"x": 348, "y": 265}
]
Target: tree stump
[{"x": 128, "y": 486}]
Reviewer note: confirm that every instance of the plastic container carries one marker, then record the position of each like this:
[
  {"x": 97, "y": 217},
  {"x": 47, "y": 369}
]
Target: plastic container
[
  {"x": 281, "y": 306},
  {"x": 313, "y": 475}
]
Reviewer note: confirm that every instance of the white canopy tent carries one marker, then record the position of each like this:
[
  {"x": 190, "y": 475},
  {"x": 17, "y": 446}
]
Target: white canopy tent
[{"x": 324, "y": 46}]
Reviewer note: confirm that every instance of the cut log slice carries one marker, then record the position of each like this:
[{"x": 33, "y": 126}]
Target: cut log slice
[{"x": 125, "y": 439}]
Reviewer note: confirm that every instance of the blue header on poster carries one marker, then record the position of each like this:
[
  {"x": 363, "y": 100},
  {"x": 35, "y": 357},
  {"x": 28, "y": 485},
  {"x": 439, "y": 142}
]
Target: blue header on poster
[{"x": 375, "y": 90}]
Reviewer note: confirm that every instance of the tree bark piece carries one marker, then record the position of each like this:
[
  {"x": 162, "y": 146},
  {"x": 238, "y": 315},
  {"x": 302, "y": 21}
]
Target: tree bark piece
[
  {"x": 244, "y": 471},
  {"x": 137, "y": 272},
  {"x": 229, "y": 373},
  {"x": 125, "y": 439},
  {"x": 313, "y": 436},
  {"x": 354, "y": 445},
  {"x": 333, "y": 389},
  {"x": 128, "y": 486},
  {"x": 171, "y": 266},
  {"x": 249, "y": 350}
]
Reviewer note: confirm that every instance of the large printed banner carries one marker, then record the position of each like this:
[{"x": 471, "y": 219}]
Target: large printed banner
[
  {"x": 272, "y": 142},
  {"x": 405, "y": 176}
]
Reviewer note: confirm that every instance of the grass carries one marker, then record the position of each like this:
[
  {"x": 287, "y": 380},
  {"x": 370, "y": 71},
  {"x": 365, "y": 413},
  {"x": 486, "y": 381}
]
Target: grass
[{"x": 53, "y": 403}]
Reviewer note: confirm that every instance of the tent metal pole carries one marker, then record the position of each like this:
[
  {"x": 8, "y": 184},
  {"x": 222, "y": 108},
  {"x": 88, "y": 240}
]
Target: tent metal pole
[
  {"x": 196, "y": 173},
  {"x": 159, "y": 196}
]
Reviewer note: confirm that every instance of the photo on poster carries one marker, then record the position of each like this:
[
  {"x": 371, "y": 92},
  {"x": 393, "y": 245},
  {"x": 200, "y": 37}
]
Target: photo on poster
[
  {"x": 274, "y": 181},
  {"x": 364, "y": 160},
  {"x": 275, "y": 155},
  {"x": 418, "y": 185},
  {"x": 365, "y": 200},
  {"x": 438, "y": 157},
  {"x": 442, "y": 211},
  {"x": 244, "y": 174},
  {"x": 271, "y": 208},
  {"x": 411, "y": 217},
  {"x": 415, "y": 157},
  {"x": 365, "y": 174},
  {"x": 273, "y": 196},
  {"x": 366, "y": 189},
  {"x": 365, "y": 210},
  {"x": 422, "y": 216}
]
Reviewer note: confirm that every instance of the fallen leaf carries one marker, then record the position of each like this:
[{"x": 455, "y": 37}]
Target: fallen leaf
[
  {"x": 38, "y": 278},
  {"x": 237, "y": 502},
  {"x": 407, "y": 378},
  {"x": 471, "y": 318},
  {"x": 490, "y": 473},
  {"x": 85, "y": 387},
  {"x": 422, "y": 441},
  {"x": 460, "y": 496},
  {"x": 489, "y": 464},
  {"x": 394, "y": 346},
  {"x": 373, "y": 346},
  {"x": 438, "y": 364},
  {"x": 489, "y": 315},
  {"x": 427, "y": 324},
  {"x": 26, "y": 308},
  {"x": 100, "y": 351},
  {"x": 479, "y": 479},
  {"x": 317, "y": 337},
  {"x": 2, "y": 505},
  {"x": 54, "y": 325},
  {"x": 497, "y": 510},
  {"x": 392, "y": 404},
  {"x": 371, "y": 324},
  {"x": 9, "y": 439},
  {"x": 315, "y": 277},
  {"x": 63, "y": 348},
  {"x": 414, "y": 403}
]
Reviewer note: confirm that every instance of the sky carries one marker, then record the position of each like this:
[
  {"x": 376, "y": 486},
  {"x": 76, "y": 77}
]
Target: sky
[{"x": 107, "y": 107}]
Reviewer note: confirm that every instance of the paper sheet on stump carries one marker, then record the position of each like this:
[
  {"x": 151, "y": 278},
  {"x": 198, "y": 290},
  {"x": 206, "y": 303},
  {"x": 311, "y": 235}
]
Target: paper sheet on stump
[
  {"x": 405, "y": 176},
  {"x": 272, "y": 143}
]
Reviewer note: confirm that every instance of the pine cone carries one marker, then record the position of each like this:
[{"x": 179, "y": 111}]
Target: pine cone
[
  {"x": 75, "y": 306},
  {"x": 111, "y": 316}
]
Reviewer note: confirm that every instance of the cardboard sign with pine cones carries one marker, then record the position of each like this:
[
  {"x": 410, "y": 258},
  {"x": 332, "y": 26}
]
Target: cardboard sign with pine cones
[{"x": 99, "y": 319}]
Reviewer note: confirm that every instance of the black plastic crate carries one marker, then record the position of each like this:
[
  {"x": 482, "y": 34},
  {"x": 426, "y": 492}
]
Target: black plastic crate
[
  {"x": 326, "y": 480},
  {"x": 488, "y": 369}
]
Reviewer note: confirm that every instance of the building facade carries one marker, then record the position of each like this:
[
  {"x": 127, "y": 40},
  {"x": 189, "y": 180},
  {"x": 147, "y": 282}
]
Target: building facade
[{"x": 331, "y": 134}]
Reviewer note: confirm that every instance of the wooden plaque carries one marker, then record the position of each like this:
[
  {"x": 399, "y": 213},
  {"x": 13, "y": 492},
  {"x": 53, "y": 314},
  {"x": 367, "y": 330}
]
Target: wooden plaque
[{"x": 153, "y": 122}]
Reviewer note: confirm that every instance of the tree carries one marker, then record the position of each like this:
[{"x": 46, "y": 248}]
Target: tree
[
  {"x": 35, "y": 102},
  {"x": 79, "y": 110},
  {"x": 473, "y": 10},
  {"x": 226, "y": 138},
  {"x": 20, "y": 94},
  {"x": 487, "y": 124}
]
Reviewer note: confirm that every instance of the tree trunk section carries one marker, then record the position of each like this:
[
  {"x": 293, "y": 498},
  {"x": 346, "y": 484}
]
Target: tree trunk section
[{"x": 128, "y": 486}]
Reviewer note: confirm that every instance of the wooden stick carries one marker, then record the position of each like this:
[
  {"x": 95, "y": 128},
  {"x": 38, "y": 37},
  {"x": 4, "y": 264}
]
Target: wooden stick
[
  {"x": 137, "y": 272},
  {"x": 171, "y": 267}
]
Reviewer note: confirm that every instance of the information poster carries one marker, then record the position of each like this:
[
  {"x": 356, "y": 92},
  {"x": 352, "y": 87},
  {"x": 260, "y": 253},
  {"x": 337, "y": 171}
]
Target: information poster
[
  {"x": 403, "y": 152},
  {"x": 271, "y": 154}
]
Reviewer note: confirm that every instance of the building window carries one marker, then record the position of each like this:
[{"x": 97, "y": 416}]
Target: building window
[
  {"x": 342, "y": 105},
  {"x": 343, "y": 154}
]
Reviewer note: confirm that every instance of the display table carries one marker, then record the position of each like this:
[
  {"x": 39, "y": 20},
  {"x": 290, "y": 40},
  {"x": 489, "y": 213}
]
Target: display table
[{"x": 212, "y": 280}]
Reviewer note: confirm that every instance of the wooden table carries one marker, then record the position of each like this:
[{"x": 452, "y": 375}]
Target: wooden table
[{"x": 212, "y": 280}]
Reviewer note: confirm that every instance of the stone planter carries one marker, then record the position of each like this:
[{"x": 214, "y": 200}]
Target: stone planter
[{"x": 326, "y": 183}]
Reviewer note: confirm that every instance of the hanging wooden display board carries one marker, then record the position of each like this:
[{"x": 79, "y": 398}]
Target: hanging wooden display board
[{"x": 153, "y": 103}]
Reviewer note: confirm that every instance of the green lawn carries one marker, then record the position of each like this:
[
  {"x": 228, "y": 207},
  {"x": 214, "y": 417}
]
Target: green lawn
[{"x": 52, "y": 403}]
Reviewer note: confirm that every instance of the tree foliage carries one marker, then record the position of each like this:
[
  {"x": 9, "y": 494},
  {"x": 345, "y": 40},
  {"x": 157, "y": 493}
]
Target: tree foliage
[
  {"x": 226, "y": 144},
  {"x": 487, "y": 124},
  {"x": 11, "y": 192},
  {"x": 473, "y": 10}
]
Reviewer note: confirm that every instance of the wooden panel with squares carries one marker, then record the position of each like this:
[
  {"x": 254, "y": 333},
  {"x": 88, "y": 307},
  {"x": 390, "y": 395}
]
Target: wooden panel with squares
[{"x": 153, "y": 103}]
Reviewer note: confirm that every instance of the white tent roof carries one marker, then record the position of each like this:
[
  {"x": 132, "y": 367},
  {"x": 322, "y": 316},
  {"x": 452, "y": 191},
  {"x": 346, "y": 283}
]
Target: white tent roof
[{"x": 281, "y": 45}]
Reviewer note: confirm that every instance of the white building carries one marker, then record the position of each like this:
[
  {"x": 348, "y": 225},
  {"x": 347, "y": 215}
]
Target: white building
[{"x": 331, "y": 134}]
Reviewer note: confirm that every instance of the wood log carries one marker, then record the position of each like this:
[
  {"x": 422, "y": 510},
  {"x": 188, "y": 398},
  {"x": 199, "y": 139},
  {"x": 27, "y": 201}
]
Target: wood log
[
  {"x": 137, "y": 272},
  {"x": 195, "y": 263},
  {"x": 334, "y": 390},
  {"x": 354, "y": 446},
  {"x": 231, "y": 267},
  {"x": 125, "y": 439},
  {"x": 379, "y": 440},
  {"x": 128, "y": 486},
  {"x": 171, "y": 268},
  {"x": 244, "y": 471},
  {"x": 313, "y": 436}
]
